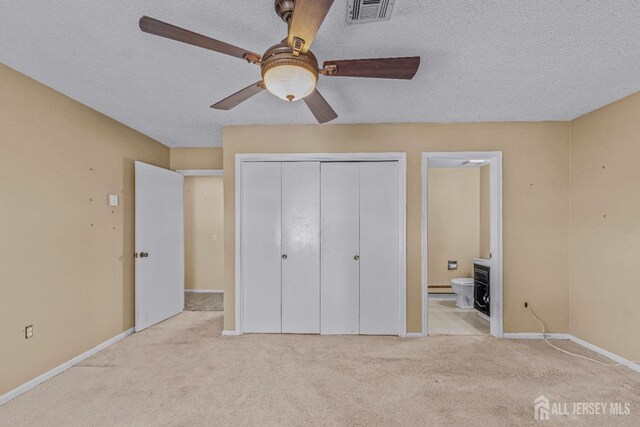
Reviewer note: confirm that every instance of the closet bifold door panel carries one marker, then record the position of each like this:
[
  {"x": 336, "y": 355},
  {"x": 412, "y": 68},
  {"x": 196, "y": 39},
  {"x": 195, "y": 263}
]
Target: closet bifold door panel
[
  {"x": 261, "y": 246},
  {"x": 379, "y": 248},
  {"x": 340, "y": 239},
  {"x": 301, "y": 247},
  {"x": 320, "y": 247}
]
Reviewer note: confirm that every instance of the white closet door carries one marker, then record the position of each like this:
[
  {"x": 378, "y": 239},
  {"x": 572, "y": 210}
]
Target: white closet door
[
  {"x": 301, "y": 247},
  {"x": 261, "y": 237},
  {"x": 339, "y": 247},
  {"x": 379, "y": 246}
]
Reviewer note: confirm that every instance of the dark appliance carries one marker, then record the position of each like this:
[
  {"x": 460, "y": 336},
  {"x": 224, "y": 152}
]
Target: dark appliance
[{"x": 481, "y": 289}]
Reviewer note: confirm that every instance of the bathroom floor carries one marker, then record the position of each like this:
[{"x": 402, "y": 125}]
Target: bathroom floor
[{"x": 447, "y": 319}]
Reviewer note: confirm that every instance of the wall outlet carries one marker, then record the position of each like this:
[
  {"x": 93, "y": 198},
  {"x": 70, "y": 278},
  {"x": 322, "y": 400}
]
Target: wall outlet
[{"x": 28, "y": 331}]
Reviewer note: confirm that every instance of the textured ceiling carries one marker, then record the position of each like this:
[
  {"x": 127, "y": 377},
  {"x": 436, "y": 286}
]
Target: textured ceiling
[{"x": 482, "y": 60}]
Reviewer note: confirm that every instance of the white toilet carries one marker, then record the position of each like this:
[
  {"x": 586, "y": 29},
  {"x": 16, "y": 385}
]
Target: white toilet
[{"x": 463, "y": 288}]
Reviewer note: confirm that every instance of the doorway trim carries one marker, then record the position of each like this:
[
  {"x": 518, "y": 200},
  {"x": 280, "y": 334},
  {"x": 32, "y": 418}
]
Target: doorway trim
[
  {"x": 401, "y": 158},
  {"x": 201, "y": 172},
  {"x": 496, "y": 261}
]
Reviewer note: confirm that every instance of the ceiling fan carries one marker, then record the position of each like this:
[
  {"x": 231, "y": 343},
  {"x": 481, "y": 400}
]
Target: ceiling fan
[{"x": 289, "y": 69}]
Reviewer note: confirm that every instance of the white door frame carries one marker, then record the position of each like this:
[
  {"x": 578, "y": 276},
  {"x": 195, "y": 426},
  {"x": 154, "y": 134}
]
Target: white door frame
[
  {"x": 495, "y": 200},
  {"x": 201, "y": 172},
  {"x": 325, "y": 157}
]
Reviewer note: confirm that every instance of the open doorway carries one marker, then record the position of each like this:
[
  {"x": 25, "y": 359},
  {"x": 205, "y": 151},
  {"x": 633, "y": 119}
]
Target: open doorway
[
  {"x": 203, "y": 235},
  {"x": 462, "y": 243}
]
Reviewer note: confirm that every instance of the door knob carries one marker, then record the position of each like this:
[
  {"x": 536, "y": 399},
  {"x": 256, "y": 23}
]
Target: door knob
[
  {"x": 357, "y": 257},
  {"x": 284, "y": 256}
]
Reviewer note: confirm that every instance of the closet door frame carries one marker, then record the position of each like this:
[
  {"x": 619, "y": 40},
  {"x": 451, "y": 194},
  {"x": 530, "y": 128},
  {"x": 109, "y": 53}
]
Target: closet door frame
[{"x": 240, "y": 159}]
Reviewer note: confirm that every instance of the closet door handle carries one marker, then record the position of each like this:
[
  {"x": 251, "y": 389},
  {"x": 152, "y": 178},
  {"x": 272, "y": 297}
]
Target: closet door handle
[
  {"x": 284, "y": 256},
  {"x": 357, "y": 257}
]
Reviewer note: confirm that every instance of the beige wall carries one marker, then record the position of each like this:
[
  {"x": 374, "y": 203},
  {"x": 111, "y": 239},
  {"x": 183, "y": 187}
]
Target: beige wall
[
  {"x": 485, "y": 212},
  {"x": 66, "y": 260},
  {"x": 536, "y": 201},
  {"x": 196, "y": 158},
  {"x": 204, "y": 232},
  {"x": 453, "y": 222},
  {"x": 66, "y": 257},
  {"x": 605, "y": 225}
]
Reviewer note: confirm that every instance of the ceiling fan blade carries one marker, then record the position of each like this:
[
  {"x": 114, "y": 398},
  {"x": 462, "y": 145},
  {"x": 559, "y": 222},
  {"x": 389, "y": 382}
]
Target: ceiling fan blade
[
  {"x": 306, "y": 21},
  {"x": 162, "y": 29},
  {"x": 379, "y": 68},
  {"x": 239, "y": 97},
  {"x": 319, "y": 107}
]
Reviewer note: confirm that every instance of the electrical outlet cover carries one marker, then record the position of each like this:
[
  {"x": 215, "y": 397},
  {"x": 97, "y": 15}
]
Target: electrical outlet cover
[{"x": 28, "y": 331}]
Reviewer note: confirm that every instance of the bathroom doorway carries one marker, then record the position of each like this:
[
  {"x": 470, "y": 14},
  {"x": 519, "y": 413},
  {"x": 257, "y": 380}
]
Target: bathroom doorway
[{"x": 462, "y": 243}]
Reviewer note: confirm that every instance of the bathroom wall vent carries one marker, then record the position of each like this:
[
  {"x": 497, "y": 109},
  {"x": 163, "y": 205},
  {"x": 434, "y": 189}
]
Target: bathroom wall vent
[{"x": 364, "y": 11}]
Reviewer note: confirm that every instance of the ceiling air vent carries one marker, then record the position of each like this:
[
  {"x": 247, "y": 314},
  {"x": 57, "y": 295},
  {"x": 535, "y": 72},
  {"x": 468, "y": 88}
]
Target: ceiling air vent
[{"x": 362, "y": 11}]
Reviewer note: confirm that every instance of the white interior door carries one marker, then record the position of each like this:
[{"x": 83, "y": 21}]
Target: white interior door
[
  {"x": 379, "y": 247},
  {"x": 261, "y": 246},
  {"x": 159, "y": 235},
  {"x": 340, "y": 239},
  {"x": 301, "y": 247}
]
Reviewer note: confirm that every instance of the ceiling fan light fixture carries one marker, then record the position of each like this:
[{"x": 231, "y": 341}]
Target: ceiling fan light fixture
[
  {"x": 287, "y": 74},
  {"x": 289, "y": 69},
  {"x": 290, "y": 82}
]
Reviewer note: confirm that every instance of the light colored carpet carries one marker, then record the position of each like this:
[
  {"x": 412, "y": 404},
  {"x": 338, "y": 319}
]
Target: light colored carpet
[
  {"x": 445, "y": 318},
  {"x": 182, "y": 372},
  {"x": 203, "y": 302}
]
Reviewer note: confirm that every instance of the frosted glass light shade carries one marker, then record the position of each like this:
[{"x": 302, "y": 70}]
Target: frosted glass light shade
[{"x": 290, "y": 82}]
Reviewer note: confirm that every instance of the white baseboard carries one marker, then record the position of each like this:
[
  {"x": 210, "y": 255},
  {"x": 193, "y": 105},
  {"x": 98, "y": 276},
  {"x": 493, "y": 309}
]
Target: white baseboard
[
  {"x": 231, "y": 333},
  {"x": 414, "y": 335},
  {"x": 196, "y": 291},
  {"x": 535, "y": 336},
  {"x": 619, "y": 359},
  {"x": 61, "y": 368},
  {"x": 538, "y": 336}
]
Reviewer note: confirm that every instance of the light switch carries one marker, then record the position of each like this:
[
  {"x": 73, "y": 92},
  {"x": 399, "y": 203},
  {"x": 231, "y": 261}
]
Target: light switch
[
  {"x": 214, "y": 237},
  {"x": 113, "y": 200}
]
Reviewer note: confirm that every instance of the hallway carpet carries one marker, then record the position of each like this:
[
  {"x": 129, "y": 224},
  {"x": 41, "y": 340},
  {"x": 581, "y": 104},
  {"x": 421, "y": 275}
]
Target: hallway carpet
[
  {"x": 203, "y": 302},
  {"x": 182, "y": 372}
]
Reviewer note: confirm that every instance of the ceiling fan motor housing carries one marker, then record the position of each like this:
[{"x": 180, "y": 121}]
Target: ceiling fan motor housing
[{"x": 284, "y": 9}]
